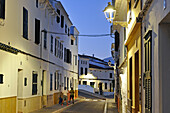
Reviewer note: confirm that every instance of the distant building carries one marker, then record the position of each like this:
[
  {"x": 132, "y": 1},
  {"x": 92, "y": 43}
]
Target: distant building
[
  {"x": 36, "y": 62},
  {"x": 95, "y": 73}
]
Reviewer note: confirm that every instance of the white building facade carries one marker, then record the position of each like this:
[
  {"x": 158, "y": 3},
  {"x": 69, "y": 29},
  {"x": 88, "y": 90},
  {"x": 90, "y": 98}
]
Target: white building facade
[
  {"x": 38, "y": 54},
  {"x": 95, "y": 73}
]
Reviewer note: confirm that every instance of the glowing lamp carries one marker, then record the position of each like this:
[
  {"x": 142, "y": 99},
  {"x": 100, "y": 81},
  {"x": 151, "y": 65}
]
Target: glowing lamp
[{"x": 109, "y": 12}]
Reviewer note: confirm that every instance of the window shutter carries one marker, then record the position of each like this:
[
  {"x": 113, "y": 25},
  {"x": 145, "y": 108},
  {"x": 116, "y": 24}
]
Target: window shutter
[
  {"x": 68, "y": 52},
  {"x": 65, "y": 55},
  {"x": 37, "y": 31},
  {"x": 25, "y": 23},
  {"x": 2, "y": 9},
  {"x": 62, "y": 21}
]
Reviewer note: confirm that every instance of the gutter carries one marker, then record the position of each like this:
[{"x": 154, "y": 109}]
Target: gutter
[{"x": 144, "y": 10}]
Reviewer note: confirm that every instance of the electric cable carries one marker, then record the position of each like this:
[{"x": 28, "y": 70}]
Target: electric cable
[{"x": 84, "y": 35}]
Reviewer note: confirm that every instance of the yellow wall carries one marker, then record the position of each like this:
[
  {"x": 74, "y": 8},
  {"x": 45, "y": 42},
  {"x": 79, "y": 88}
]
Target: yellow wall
[
  {"x": 134, "y": 46},
  {"x": 26, "y": 105},
  {"x": 8, "y": 105}
]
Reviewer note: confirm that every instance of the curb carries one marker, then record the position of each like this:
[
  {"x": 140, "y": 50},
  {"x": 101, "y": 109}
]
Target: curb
[
  {"x": 60, "y": 110},
  {"x": 105, "y": 107}
]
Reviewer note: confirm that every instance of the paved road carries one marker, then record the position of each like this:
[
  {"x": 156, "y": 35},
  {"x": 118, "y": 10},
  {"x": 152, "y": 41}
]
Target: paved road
[{"x": 87, "y": 106}]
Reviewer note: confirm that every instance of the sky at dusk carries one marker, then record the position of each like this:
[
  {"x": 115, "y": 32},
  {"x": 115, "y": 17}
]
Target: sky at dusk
[{"x": 89, "y": 19}]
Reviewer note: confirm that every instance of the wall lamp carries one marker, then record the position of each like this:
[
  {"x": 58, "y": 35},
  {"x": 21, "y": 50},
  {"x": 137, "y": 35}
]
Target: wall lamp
[{"x": 110, "y": 14}]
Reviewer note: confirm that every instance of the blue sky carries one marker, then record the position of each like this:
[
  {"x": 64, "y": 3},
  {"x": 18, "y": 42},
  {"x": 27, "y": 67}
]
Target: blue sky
[{"x": 88, "y": 17}]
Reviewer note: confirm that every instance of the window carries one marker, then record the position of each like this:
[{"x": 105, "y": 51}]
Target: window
[
  {"x": 55, "y": 51},
  {"x": 65, "y": 83},
  {"x": 58, "y": 80},
  {"x": 148, "y": 71},
  {"x": 34, "y": 83},
  {"x": 85, "y": 71},
  {"x": 51, "y": 43},
  {"x": 25, "y": 23},
  {"x": 110, "y": 75},
  {"x": 76, "y": 40},
  {"x": 105, "y": 85},
  {"x": 51, "y": 82},
  {"x": 81, "y": 70},
  {"x": 37, "y": 3},
  {"x": 2, "y": 9},
  {"x": 65, "y": 55},
  {"x": 79, "y": 82},
  {"x": 68, "y": 32},
  {"x": 72, "y": 42},
  {"x": 70, "y": 83},
  {"x": 55, "y": 82},
  {"x": 25, "y": 81},
  {"x": 65, "y": 28},
  {"x": 92, "y": 84},
  {"x": 68, "y": 56},
  {"x": 62, "y": 21},
  {"x": 75, "y": 59},
  {"x": 45, "y": 39},
  {"x": 37, "y": 31},
  {"x": 58, "y": 17},
  {"x": 1, "y": 78},
  {"x": 62, "y": 51},
  {"x": 164, "y": 4},
  {"x": 130, "y": 5},
  {"x": 125, "y": 48},
  {"x": 84, "y": 82}
]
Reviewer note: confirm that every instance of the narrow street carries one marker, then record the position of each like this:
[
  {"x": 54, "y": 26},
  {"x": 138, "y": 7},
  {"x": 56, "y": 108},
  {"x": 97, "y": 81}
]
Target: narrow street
[{"x": 87, "y": 106}]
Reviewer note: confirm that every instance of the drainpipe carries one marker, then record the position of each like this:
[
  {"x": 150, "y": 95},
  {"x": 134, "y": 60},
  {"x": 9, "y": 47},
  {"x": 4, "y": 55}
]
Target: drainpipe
[{"x": 141, "y": 60}]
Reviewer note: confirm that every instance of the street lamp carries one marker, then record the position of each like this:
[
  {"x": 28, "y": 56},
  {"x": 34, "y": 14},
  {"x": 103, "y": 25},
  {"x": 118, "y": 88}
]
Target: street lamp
[{"x": 109, "y": 12}]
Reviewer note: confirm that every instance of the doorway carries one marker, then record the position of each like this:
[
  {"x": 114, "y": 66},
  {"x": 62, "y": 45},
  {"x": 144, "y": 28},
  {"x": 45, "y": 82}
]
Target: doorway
[
  {"x": 20, "y": 89},
  {"x": 137, "y": 81},
  {"x": 43, "y": 84}
]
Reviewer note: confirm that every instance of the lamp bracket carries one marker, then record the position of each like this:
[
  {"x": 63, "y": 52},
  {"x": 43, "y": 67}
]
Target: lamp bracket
[{"x": 121, "y": 23}]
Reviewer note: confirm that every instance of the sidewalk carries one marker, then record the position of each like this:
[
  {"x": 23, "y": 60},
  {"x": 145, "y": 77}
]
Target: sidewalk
[
  {"x": 56, "y": 108},
  {"x": 111, "y": 106}
]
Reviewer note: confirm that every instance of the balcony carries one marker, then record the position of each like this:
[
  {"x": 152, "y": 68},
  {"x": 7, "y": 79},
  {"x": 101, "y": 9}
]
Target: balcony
[{"x": 48, "y": 4}]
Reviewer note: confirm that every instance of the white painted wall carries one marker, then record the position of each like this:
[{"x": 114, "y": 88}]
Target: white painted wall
[
  {"x": 11, "y": 33},
  {"x": 154, "y": 16}
]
